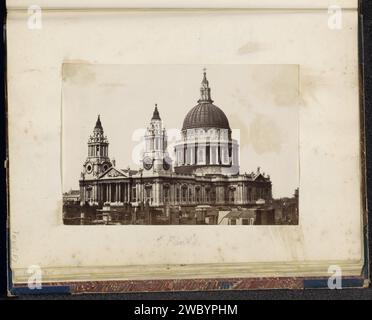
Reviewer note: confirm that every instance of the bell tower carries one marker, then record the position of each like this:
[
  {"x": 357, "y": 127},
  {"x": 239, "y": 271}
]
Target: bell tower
[
  {"x": 98, "y": 160},
  {"x": 155, "y": 157}
]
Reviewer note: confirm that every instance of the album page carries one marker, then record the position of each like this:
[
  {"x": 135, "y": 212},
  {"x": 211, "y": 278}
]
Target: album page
[{"x": 184, "y": 140}]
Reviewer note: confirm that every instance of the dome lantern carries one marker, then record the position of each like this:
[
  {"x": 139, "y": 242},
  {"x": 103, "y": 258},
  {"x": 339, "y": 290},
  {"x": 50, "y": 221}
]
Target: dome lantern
[{"x": 205, "y": 91}]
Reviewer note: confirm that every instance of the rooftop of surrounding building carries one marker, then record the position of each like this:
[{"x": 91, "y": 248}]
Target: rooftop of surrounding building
[{"x": 72, "y": 192}]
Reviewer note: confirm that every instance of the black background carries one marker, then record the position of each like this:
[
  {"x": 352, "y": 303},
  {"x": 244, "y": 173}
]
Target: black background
[{"x": 366, "y": 60}]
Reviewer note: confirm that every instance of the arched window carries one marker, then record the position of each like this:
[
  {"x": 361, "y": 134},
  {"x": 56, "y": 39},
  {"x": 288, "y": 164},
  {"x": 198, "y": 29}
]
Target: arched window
[
  {"x": 190, "y": 195},
  {"x": 197, "y": 194},
  {"x": 166, "y": 193},
  {"x": 184, "y": 194},
  {"x": 148, "y": 193},
  {"x": 250, "y": 194},
  {"x": 208, "y": 195},
  {"x": 213, "y": 196},
  {"x": 231, "y": 195}
]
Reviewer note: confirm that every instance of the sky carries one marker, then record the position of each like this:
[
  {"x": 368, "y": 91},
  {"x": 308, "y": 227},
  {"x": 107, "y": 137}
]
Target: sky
[{"x": 260, "y": 101}]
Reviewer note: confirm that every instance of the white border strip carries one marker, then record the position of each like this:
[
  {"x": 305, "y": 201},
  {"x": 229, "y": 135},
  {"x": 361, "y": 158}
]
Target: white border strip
[{"x": 181, "y": 4}]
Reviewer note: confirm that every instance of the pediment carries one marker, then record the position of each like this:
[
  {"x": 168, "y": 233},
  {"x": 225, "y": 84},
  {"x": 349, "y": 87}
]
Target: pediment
[
  {"x": 112, "y": 173},
  {"x": 260, "y": 178}
]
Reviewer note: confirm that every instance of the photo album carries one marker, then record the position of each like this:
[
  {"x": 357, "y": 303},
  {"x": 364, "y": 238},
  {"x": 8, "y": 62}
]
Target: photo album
[{"x": 185, "y": 146}]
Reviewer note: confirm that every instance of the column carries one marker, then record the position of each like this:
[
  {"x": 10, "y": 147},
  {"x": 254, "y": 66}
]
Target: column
[
  {"x": 114, "y": 191},
  {"x": 125, "y": 191},
  {"x": 119, "y": 192},
  {"x": 81, "y": 194},
  {"x": 196, "y": 153},
  {"x": 138, "y": 192},
  {"x": 207, "y": 153},
  {"x": 221, "y": 194},
  {"x": 184, "y": 153},
  {"x": 245, "y": 193},
  {"x": 173, "y": 193},
  {"x": 120, "y": 195},
  {"x": 161, "y": 193},
  {"x": 155, "y": 193},
  {"x": 171, "y": 190},
  {"x": 128, "y": 192}
]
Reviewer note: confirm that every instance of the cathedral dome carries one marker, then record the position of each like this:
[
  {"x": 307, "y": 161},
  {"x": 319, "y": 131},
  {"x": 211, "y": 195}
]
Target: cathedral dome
[
  {"x": 205, "y": 115},
  {"x": 206, "y": 146}
]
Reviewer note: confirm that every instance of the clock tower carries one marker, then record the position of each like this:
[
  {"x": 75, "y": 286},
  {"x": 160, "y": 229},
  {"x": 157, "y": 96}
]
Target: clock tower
[
  {"x": 155, "y": 157},
  {"x": 98, "y": 160}
]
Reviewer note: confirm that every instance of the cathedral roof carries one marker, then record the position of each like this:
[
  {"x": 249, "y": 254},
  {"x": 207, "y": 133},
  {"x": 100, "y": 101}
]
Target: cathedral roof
[{"x": 205, "y": 114}]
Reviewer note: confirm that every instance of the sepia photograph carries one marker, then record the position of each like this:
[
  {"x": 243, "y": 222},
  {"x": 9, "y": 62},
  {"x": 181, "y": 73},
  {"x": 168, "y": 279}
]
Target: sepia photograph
[{"x": 180, "y": 145}]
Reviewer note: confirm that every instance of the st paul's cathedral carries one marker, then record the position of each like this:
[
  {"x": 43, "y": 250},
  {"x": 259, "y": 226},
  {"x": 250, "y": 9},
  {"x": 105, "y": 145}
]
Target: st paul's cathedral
[{"x": 203, "y": 168}]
